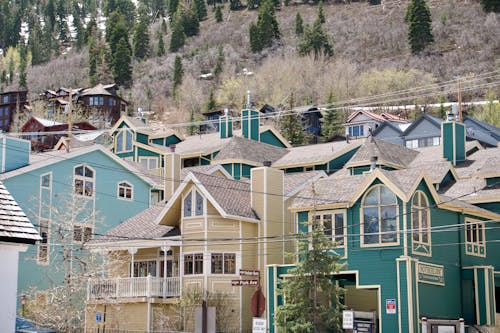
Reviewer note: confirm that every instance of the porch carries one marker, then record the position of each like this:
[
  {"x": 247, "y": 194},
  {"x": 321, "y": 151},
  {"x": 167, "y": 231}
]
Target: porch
[{"x": 131, "y": 287}]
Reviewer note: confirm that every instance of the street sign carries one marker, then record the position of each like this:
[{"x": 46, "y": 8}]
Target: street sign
[
  {"x": 390, "y": 306},
  {"x": 249, "y": 272},
  {"x": 347, "y": 319},
  {"x": 363, "y": 326},
  {"x": 259, "y": 325},
  {"x": 243, "y": 283},
  {"x": 98, "y": 317}
]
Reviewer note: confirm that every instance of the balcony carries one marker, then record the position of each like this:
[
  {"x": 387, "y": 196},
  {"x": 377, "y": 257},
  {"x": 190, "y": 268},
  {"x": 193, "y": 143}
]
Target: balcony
[{"x": 133, "y": 287}]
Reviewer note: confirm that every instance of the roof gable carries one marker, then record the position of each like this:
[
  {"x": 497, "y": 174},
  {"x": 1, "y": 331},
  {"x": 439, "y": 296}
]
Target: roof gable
[{"x": 424, "y": 118}]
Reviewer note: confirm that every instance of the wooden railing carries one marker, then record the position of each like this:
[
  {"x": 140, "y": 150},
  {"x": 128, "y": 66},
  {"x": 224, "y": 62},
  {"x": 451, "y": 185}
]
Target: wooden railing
[{"x": 133, "y": 287}]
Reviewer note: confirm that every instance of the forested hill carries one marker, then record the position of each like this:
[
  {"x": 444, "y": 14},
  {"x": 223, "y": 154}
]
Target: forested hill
[{"x": 182, "y": 57}]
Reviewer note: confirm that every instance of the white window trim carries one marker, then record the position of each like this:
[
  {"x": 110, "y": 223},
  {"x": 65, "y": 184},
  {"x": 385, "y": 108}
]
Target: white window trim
[
  {"x": 362, "y": 222},
  {"x": 236, "y": 263},
  {"x": 123, "y": 131},
  {"x": 333, "y": 213},
  {"x": 50, "y": 183},
  {"x": 47, "y": 261},
  {"x": 203, "y": 263},
  {"x": 148, "y": 159},
  {"x": 84, "y": 178},
  {"x": 420, "y": 232},
  {"x": 119, "y": 185},
  {"x": 83, "y": 226},
  {"x": 468, "y": 222}
]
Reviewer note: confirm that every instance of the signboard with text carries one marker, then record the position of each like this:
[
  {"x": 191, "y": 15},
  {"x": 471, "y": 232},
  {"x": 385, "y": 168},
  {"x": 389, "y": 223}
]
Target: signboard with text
[
  {"x": 347, "y": 319},
  {"x": 390, "y": 306},
  {"x": 363, "y": 327},
  {"x": 249, "y": 272},
  {"x": 430, "y": 273},
  {"x": 259, "y": 325},
  {"x": 243, "y": 283}
]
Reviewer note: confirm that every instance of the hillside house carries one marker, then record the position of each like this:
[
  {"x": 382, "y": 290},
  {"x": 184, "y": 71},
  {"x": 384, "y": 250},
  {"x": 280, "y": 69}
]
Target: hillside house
[
  {"x": 10, "y": 103},
  {"x": 361, "y": 123}
]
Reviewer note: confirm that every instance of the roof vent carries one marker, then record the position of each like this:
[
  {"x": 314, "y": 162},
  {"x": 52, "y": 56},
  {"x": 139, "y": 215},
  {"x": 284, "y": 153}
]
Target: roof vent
[
  {"x": 172, "y": 148},
  {"x": 267, "y": 163},
  {"x": 373, "y": 163}
]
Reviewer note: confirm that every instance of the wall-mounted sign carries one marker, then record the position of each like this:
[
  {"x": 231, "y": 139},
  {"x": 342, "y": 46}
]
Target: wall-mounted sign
[
  {"x": 249, "y": 272},
  {"x": 430, "y": 273},
  {"x": 259, "y": 325},
  {"x": 243, "y": 283},
  {"x": 390, "y": 306},
  {"x": 363, "y": 327},
  {"x": 347, "y": 319}
]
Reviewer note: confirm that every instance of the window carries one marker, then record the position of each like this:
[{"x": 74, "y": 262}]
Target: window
[
  {"x": 82, "y": 234},
  {"x": 197, "y": 205},
  {"x": 123, "y": 141},
  {"x": 83, "y": 180},
  {"x": 475, "y": 238},
  {"x": 357, "y": 130},
  {"x": 145, "y": 268},
  {"x": 193, "y": 264},
  {"x": 333, "y": 225},
  {"x": 6, "y": 99},
  {"x": 45, "y": 181},
  {"x": 380, "y": 217},
  {"x": 423, "y": 142},
  {"x": 149, "y": 163},
  {"x": 111, "y": 101},
  {"x": 43, "y": 246},
  {"x": 125, "y": 191},
  {"x": 223, "y": 263},
  {"x": 420, "y": 223}
]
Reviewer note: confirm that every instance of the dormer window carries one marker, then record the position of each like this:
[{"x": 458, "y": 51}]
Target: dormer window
[
  {"x": 84, "y": 180},
  {"x": 125, "y": 191},
  {"x": 193, "y": 204},
  {"x": 123, "y": 141},
  {"x": 379, "y": 211}
]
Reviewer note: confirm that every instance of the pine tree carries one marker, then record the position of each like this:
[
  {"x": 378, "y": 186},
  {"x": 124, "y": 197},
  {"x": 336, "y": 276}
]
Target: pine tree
[
  {"x": 50, "y": 12},
  {"x": 23, "y": 63},
  {"x": 191, "y": 21},
  {"x": 201, "y": 9},
  {"x": 321, "y": 12},
  {"x": 219, "y": 62},
  {"x": 122, "y": 59},
  {"x": 80, "y": 30},
  {"x": 291, "y": 126},
  {"x": 172, "y": 7},
  {"x": 255, "y": 41},
  {"x": 218, "y": 14},
  {"x": 315, "y": 40},
  {"x": 178, "y": 37},
  {"x": 304, "y": 310},
  {"x": 491, "y": 5},
  {"x": 178, "y": 73},
  {"x": 418, "y": 17},
  {"x": 211, "y": 104},
  {"x": 11, "y": 68},
  {"x": 252, "y": 4},
  {"x": 161, "y": 46},
  {"x": 93, "y": 59},
  {"x": 266, "y": 29},
  {"x": 163, "y": 25},
  {"x": 299, "y": 25},
  {"x": 332, "y": 123},
  {"x": 141, "y": 38}
]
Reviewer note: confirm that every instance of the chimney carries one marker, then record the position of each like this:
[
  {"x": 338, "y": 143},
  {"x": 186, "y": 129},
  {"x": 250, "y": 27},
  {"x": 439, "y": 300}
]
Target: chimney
[
  {"x": 250, "y": 122},
  {"x": 226, "y": 125},
  {"x": 373, "y": 163},
  {"x": 267, "y": 199},
  {"x": 453, "y": 141},
  {"x": 171, "y": 172}
]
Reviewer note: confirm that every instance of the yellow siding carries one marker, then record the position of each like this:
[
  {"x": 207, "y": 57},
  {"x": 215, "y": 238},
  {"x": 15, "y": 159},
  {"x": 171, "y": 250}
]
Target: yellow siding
[{"x": 127, "y": 316}]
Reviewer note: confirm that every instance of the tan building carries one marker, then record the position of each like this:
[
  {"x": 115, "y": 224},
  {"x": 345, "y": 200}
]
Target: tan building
[{"x": 164, "y": 259}]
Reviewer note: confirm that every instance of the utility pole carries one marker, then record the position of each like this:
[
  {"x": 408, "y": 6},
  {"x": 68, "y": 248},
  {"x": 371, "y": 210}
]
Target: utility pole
[
  {"x": 70, "y": 120},
  {"x": 459, "y": 101}
]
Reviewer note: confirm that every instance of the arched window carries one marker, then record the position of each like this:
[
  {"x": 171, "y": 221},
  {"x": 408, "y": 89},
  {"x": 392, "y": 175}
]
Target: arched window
[
  {"x": 379, "y": 211},
  {"x": 84, "y": 180},
  {"x": 420, "y": 223}
]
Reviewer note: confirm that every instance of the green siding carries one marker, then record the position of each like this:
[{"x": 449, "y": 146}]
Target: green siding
[
  {"x": 146, "y": 152},
  {"x": 159, "y": 141},
  {"x": 142, "y": 138},
  {"x": 229, "y": 168},
  {"x": 250, "y": 124},
  {"x": 493, "y": 206},
  {"x": 493, "y": 181},
  {"x": 339, "y": 162},
  {"x": 237, "y": 171},
  {"x": 359, "y": 170},
  {"x": 297, "y": 169},
  {"x": 269, "y": 138},
  {"x": 245, "y": 170}
]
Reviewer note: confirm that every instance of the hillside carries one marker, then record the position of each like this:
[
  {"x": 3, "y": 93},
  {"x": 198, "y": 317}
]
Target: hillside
[{"x": 371, "y": 57}]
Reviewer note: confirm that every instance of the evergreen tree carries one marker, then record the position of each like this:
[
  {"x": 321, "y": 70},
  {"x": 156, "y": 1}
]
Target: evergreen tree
[
  {"x": 125, "y": 7},
  {"x": 178, "y": 37},
  {"x": 191, "y": 21},
  {"x": 141, "y": 38},
  {"x": 93, "y": 59},
  {"x": 299, "y": 25},
  {"x": 161, "y": 46},
  {"x": 50, "y": 12},
  {"x": 23, "y": 63},
  {"x": 122, "y": 59},
  {"x": 119, "y": 31},
  {"x": 218, "y": 14},
  {"x": 374, "y": 2},
  {"x": 315, "y": 40},
  {"x": 332, "y": 123},
  {"x": 235, "y": 4},
  {"x": 172, "y": 7},
  {"x": 219, "y": 62},
  {"x": 255, "y": 42},
  {"x": 80, "y": 30},
  {"x": 291, "y": 126},
  {"x": 40, "y": 52},
  {"x": 266, "y": 29},
  {"x": 252, "y": 4},
  {"x": 321, "y": 12},
  {"x": 11, "y": 68},
  {"x": 491, "y": 5},
  {"x": 163, "y": 25},
  {"x": 313, "y": 299},
  {"x": 178, "y": 73},
  {"x": 418, "y": 17},
  {"x": 91, "y": 29},
  {"x": 211, "y": 104},
  {"x": 201, "y": 9}
]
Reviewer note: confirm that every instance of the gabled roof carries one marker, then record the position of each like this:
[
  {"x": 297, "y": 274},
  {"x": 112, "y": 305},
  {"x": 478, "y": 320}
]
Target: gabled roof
[
  {"x": 378, "y": 117},
  {"x": 206, "y": 169},
  {"x": 230, "y": 197},
  {"x": 315, "y": 154},
  {"x": 41, "y": 160},
  {"x": 296, "y": 181},
  {"x": 481, "y": 131},
  {"x": 424, "y": 117},
  {"x": 96, "y": 90},
  {"x": 387, "y": 153},
  {"x": 14, "y": 225},
  {"x": 47, "y": 122},
  {"x": 242, "y": 149},
  {"x": 483, "y": 163},
  {"x": 395, "y": 126},
  {"x": 474, "y": 191}
]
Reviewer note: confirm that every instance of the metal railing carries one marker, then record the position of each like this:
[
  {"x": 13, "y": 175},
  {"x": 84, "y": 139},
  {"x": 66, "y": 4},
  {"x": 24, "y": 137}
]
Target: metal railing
[{"x": 133, "y": 287}]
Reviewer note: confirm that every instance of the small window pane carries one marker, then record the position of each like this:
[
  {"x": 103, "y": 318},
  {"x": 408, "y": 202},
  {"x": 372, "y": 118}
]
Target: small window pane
[
  {"x": 79, "y": 186},
  {"x": 89, "y": 173},
  {"x": 188, "y": 264},
  {"x": 128, "y": 143},
  {"x": 188, "y": 201},
  {"x": 371, "y": 198},
  {"x": 198, "y": 263},
  {"x": 386, "y": 196},
  {"x": 216, "y": 263},
  {"x": 371, "y": 225},
  {"x": 77, "y": 233},
  {"x": 229, "y": 263},
  {"x": 119, "y": 142},
  {"x": 46, "y": 181},
  {"x": 339, "y": 228},
  {"x": 79, "y": 171},
  {"x": 87, "y": 236},
  {"x": 327, "y": 226},
  {"x": 388, "y": 224},
  {"x": 89, "y": 189},
  {"x": 199, "y": 204}
]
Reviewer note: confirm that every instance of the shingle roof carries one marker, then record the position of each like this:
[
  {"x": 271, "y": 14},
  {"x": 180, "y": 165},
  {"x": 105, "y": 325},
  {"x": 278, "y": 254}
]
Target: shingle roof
[
  {"x": 482, "y": 131},
  {"x": 386, "y": 152},
  {"x": 207, "y": 169},
  {"x": 473, "y": 190},
  {"x": 404, "y": 179},
  {"x": 463, "y": 204},
  {"x": 250, "y": 150},
  {"x": 233, "y": 196},
  {"x": 47, "y": 122},
  {"x": 315, "y": 154},
  {"x": 292, "y": 181},
  {"x": 140, "y": 226},
  {"x": 482, "y": 162},
  {"x": 329, "y": 191},
  {"x": 96, "y": 90},
  {"x": 14, "y": 225}
]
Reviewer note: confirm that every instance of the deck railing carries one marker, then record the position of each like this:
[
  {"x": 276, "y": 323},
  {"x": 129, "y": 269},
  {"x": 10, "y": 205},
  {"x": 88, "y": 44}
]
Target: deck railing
[{"x": 133, "y": 287}]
